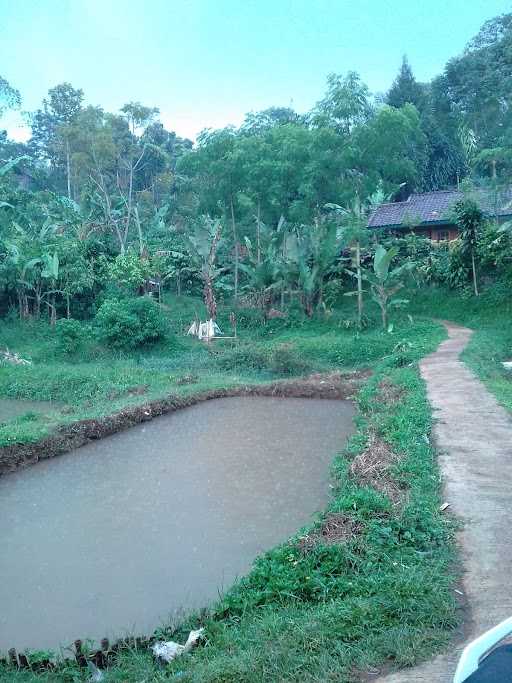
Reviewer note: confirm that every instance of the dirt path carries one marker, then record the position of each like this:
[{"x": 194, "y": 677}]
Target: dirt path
[{"x": 474, "y": 436}]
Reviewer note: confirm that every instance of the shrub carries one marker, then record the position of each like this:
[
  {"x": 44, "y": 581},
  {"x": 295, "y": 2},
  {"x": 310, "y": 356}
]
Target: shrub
[
  {"x": 243, "y": 357},
  {"x": 286, "y": 360},
  {"x": 129, "y": 270},
  {"x": 130, "y": 323},
  {"x": 70, "y": 335}
]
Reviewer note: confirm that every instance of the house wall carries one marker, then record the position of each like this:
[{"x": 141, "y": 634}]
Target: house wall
[
  {"x": 444, "y": 233},
  {"x": 438, "y": 233}
]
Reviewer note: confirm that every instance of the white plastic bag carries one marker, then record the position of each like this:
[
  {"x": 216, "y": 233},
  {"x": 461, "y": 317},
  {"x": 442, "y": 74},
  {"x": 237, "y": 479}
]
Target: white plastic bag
[{"x": 168, "y": 650}]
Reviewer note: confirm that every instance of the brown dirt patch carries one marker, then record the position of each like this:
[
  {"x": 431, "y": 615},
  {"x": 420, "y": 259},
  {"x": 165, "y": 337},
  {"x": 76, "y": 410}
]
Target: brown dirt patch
[
  {"x": 372, "y": 468},
  {"x": 138, "y": 390},
  {"x": 390, "y": 393},
  {"x": 68, "y": 437},
  {"x": 187, "y": 379},
  {"x": 336, "y": 529}
]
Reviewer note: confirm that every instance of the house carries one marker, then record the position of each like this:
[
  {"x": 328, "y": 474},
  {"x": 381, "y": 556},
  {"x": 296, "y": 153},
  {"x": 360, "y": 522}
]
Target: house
[{"x": 430, "y": 214}]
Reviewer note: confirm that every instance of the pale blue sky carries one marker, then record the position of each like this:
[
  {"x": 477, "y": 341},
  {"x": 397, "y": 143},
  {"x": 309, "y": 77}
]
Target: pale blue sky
[{"x": 205, "y": 63}]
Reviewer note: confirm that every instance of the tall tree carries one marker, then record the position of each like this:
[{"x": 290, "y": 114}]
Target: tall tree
[
  {"x": 345, "y": 105},
  {"x": 479, "y": 82},
  {"x": 50, "y": 126},
  {"x": 406, "y": 89},
  {"x": 10, "y": 98},
  {"x": 390, "y": 149}
]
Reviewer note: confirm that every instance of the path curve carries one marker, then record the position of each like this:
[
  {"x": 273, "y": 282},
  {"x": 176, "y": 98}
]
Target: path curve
[{"x": 473, "y": 434}]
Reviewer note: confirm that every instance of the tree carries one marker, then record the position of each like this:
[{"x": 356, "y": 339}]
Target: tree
[
  {"x": 345, "y": 105},
  {"x": 313, "y": 249},
  {"x": 204, "y": 245},
  {"x": 354, "y": 222},
  {"x": 138, "y": 116},
  {"x": 217, "y": 169},
  {"x": 479, "y": 82},
  {"x": 406, "y": 89},
  {"x": 10, "y": 98},
  {"x": 264, "y": 269},
  {"x": 470, "y": 220},
  {"x": 385, "y": 283},
  {"x": 261, "y": 121},
  {"x": 50, "y": 126},
  {"x": 390, "y": 149}
]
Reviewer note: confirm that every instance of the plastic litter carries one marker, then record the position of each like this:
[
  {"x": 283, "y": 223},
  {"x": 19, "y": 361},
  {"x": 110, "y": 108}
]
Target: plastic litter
[
  {"x": 96, "y": 674},
  {"x": 166, "y": 651},
  {"x": 205, "y": 330}
]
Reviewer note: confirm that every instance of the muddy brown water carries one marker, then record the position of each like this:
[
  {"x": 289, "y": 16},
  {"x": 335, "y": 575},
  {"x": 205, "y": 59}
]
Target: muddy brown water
[
  {"x": 12, "y": 407},
  {"x": 138, "y": 528}
]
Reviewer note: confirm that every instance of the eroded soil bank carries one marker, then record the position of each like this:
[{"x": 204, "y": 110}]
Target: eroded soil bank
[
  {"x": 69, "y": 437},
  {"x": 128, "y": 531}
]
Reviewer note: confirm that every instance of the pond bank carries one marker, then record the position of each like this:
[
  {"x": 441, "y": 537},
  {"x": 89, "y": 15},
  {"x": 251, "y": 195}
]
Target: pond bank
[
  {"x": 334, "y": 385},
  {"x": 136, "y": 530}
]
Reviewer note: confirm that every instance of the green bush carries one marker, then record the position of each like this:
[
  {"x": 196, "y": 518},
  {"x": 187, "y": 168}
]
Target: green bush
[
  {"x": 71, "y": 335},
  {"x": 130, "y": 323},
  {"x": 283, "y": 359},
  {"x": 286, "y": 360},
  {"x": 243, "y": 357}
]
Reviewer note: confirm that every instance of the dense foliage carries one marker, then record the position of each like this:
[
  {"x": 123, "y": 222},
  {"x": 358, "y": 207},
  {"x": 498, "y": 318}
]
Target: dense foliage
[{"x": 100, "y": 205}]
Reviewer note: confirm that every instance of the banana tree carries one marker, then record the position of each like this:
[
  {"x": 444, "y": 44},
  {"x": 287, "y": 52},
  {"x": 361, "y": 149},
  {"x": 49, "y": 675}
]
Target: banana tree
[
  {"x": 264, "y": 265},
  {"x": 313, "y": 251},
  {"x": 39, "y": 276},
  {"x": 204, "y": 244},
  {"x": 355, "y": 236},
  {"x": 385, "y": 283}
]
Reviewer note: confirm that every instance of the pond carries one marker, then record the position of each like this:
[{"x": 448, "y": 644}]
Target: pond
[{"x": 133, "y": 530}]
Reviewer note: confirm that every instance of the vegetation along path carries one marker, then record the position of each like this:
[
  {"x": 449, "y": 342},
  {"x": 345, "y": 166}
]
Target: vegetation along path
[{"x": 474, "y": 437}]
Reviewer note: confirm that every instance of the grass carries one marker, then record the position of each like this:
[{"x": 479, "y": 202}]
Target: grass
[
  {"x": 94, "y": 382},
  {"x": 489, "y": 316},
  {"x": 384, "y": 594}
]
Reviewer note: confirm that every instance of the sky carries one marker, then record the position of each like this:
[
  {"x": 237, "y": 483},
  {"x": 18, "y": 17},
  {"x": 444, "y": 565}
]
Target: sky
[{"x": 206, "y": 63}]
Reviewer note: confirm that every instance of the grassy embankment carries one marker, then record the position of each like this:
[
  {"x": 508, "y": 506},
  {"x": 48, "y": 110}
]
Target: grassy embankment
[{"x": 371, "y": 581}]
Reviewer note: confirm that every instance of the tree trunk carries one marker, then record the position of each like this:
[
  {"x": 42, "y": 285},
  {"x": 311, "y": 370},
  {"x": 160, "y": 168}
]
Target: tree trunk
[
  {"x": 20, "y": 304},
  {"x": 384, "y": 316},
  {"x": 53, "y": 311},
  {"x": 68, "y": 307},
  {"x": 68, "y": 168},
  {"x": 37, "y": 301},
  {"x": 25, "y": 306},
  {"x": 235, "y": 240},
  {"x": 258, "y": 243},
  {"x": 139, "y": 230},
  {"x": 359, "y": 286},
  {"x": 209, "y": 298},
  {"x": 473, "y": 266}
]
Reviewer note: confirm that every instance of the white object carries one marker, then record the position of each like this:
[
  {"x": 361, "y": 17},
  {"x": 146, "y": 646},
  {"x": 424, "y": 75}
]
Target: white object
[
  {"x": 96, "y": 674},
  {"x": 14, "y": 358},
  {"x": 479, "y": 648},
  {"x": 169, "y": 650},
  {"x": 193, "y": 329},
  {"x": 206, "y": 330}
]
